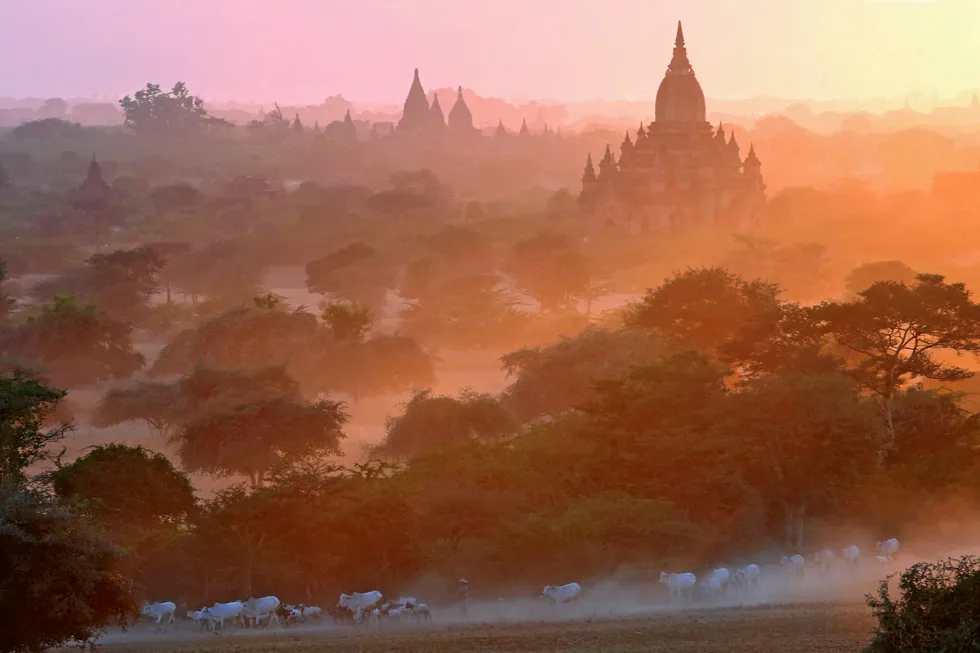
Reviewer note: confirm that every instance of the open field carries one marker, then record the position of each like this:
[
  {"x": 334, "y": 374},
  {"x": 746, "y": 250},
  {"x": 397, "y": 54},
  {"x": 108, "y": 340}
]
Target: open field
[{"x": 786, "y": 628}]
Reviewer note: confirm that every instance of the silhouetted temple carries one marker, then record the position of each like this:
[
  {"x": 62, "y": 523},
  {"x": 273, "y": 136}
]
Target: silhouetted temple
[
  {"x": 93, "y": 194},
  {"x": 419, "y": 117},
  {"x": 678, "y": 171}
]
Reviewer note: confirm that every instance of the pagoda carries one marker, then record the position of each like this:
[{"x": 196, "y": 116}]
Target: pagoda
[{"x": 679, "y": 171}]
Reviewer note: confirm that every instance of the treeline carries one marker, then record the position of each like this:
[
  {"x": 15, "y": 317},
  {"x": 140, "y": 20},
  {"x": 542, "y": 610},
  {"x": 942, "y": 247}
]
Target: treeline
[{"x": 716, "y": 423}]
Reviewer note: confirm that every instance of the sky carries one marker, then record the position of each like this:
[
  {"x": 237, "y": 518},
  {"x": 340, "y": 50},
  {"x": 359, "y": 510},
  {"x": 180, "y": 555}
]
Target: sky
[{"x": 301, "y": 51}]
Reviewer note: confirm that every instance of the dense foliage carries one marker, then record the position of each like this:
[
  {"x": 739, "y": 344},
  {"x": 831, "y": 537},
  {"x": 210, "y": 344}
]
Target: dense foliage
[{"x": 937, "y": 610}]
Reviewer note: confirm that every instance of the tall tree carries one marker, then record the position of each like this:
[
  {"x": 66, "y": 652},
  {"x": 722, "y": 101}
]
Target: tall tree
[
  {"x": 551, "y": 269},
  {"x": 26, "y": 405},
  {"x": 153, "y": 112},
  {"x": 60, "y": 575},
  {"x": 895, "y": 333},
  {"x": 803, "y": 441},
  {"x": 433, "y": 421},
  {"x": 134, "y": 492},
  {"x": 705, "y": 308},
  {"x": 357, "y": 273},
  {"x": 74, "y": 344},
  {"x": 151, "y": 402}
]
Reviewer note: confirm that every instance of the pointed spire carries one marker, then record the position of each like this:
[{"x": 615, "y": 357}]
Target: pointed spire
[
  {"x": 501, "y": 131},
  {"x": 680, "y": 64},
  {"x": 316, "y": 126},
  {"x": 640, "y": 134},
  {"x": 589, "y": 174},
  {"x": 349, "y": 129},
  {"x": 415, "y": 116},
  {"x": 524, "y": 130},
  {"x": 752, "y": 159},
  {"x": 460, "y": 117},
  {"x": 297, "y": 124},
  {"x": 437, "y": 121}
]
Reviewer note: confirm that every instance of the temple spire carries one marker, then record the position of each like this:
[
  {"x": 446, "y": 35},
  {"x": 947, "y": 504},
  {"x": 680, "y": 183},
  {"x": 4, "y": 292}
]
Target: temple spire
[
  {"x": 524, "y": 130},
  {"x": 501, "y": 130},
  {"x": 680, "y": 64},
  {"x": 415, "y": 116},
  {"x": 460, "y": 117},
  {"x": 437, "y": 120}
]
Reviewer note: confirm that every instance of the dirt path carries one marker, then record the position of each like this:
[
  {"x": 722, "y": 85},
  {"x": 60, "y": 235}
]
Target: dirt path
[{"x": 800, "y": 628}]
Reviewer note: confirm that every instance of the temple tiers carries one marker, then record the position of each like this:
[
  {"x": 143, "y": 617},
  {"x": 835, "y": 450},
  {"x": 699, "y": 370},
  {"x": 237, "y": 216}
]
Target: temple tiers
[
  {"x": 93, "y": 194},
  {"x": 416, "y": 115},
  {"x": 460, "y": 117},
  {"x": 678, "y": 171}
]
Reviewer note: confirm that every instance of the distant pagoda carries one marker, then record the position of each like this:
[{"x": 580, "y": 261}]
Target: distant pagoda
[
  {"x": 679, "y": 170},
  {"x": 94, "y": 193}
]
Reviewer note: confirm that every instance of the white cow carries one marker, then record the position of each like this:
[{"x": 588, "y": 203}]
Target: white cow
[
  {"x": 851, "y": 554},
  {"x": 883, "y": 560},
  {"x": 359, "y": 600},
  {"x": 421, "y": 612},
  {"x": 305, "y": 612},
  {"x": 160, "y": 612},
  {"x": 824, "y": 559},
  {"x": 363, "y": 605},
  {"x": 796, "y": 564},
  {"x": 888, "y": 548},
  {"x": 219, "y": 612},
  {"x": 747, "y": 579},
  {"x": 407, "y": 601},
  {"x": 255, "y": 610},
  {"x": 715, "y": 584},
  {"x": 681, "y": 585},
  {"x": 562, "y": 593}
]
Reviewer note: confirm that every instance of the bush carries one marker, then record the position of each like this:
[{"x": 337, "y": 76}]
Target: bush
[{"x": 938, "y": 609}]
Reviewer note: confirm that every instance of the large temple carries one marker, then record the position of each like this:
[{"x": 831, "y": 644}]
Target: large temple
[
  {"x": 419, "y": 117},
  {"x": 679, "y": 170}
]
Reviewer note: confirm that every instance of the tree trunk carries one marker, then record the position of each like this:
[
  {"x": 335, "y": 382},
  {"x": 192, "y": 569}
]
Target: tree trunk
[{"x": 794, "y": 515}]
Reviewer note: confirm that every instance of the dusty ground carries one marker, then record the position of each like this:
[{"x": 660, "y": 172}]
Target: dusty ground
[{"x": 788, "y": 628}]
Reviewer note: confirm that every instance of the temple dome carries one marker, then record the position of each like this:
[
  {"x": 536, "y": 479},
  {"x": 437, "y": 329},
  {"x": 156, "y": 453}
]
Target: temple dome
[{"x": 680, "y": 98}]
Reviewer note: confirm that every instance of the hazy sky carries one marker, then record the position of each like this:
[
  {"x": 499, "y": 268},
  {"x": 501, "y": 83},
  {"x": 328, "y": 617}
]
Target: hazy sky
[{"x": 305, "y": 50}]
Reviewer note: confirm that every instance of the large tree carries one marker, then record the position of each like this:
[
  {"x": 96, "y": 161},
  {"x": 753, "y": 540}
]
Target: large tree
[
  {"x": 26, "y": 406},
  {"x": 60, "y": 575},
  {"x": 153, "y": 112},
  {"x": 894, "y": 334},
  {"x": 803, "y": 441},
  {"x": 134, "y": 492},
  {"x": 705, "y": 308},
  {"x": 551, "y": 269},
  {"x": 151, "y": 402},
  {"x": 432, "y": 421},
  {"x": 245, "y": 424},
  {"x": 561, "y": 376},
  {"x": 357, "y": 273},
  {"x": 73, "y": 344}
]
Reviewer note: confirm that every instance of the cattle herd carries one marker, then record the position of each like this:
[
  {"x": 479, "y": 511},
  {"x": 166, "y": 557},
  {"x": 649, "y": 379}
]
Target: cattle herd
[{"x": 366, "y": 608}]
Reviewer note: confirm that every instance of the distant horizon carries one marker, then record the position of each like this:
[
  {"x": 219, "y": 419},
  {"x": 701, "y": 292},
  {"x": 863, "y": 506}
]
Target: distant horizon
[{"x": 570, "y": 50}]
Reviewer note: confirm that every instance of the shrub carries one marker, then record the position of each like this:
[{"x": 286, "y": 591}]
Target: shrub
[{"x": 938, "y": 609}]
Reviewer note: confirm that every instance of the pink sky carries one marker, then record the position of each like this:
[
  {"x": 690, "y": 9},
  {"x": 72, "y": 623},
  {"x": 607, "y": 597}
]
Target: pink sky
[{"x": 305, "y": 50}]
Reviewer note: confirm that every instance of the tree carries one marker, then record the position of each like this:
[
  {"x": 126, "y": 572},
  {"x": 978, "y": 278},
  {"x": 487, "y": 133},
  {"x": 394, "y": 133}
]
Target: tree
[
  {"x": 122, "y": 282},
  {"x": 895, "y": 333},
  {"x": 224, "y": 270},
  {"x": 60, "y": 578},
  {"x": 247, "y": 423},
  {"x": 470, "y": 311},
  {"x": 704, "y": 308},
  {"x": 75, "y": 344},
  {"x": 864, "y": 276},
  {"x": 26, "y": 404},
  {"x": 153, "y": 112},
  {"x": 356, "y": 273},
  {"x": 346, "y": 320},
  {"x": 559, "y": 377},
  {"x": 938, "y": 610},
  {"x": 433, "y": 421},
  {"x": 803, "y": 441},
  {"x": 551, "y": 269},
  {"x": 151, "y": 402},
  {"x": 134, "y": 492},
  {"x": 247, "y": 336}
]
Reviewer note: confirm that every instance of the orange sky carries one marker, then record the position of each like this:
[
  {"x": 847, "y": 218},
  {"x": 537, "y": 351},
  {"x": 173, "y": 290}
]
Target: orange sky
[{"x": 305, "y": 50}]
